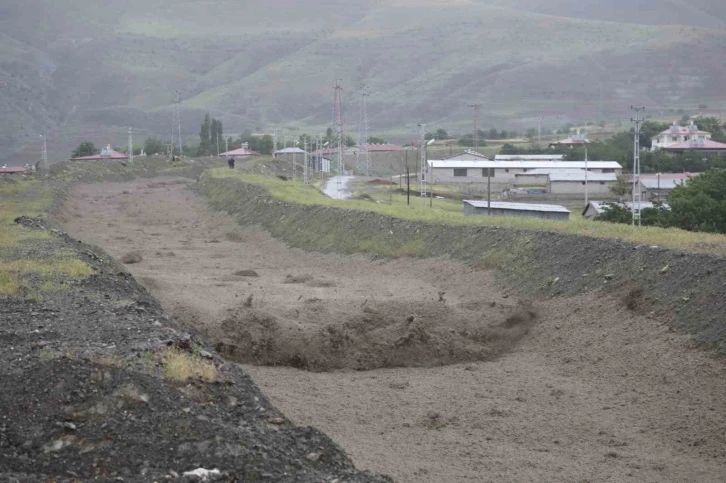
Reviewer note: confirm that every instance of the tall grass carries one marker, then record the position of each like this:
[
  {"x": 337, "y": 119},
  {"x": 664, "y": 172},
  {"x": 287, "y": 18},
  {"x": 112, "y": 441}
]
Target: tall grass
[{"x": 451, "y": 212}]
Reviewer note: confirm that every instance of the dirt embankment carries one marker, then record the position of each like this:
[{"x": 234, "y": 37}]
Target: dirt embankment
[
  {"x": 682, "y": 289},
  {"x": 594, "y": 389},
  {"x": 99, "y": 384}
]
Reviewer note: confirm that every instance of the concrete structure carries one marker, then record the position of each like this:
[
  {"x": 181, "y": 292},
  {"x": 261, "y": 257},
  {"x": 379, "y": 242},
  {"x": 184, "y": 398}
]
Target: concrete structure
[
  {"x": 678, "y": 134},
  {"x": 596, "y": 208},
  {"x": 704, "y": 146},
  {"x": 468, "y": 156},
  {"x": 504, "y": 208},
  {"x": 575, "y": 182},
  {"x": 659, "y": 186},
  {"x": 505, "y": 172},
  {"x": 106, "y": 154},
  {"x": 240, "y": 153},
  {"x": 374, "y": 148},
  {"x": 529, "y": 157},
  {"x": 291, "y": 155}
]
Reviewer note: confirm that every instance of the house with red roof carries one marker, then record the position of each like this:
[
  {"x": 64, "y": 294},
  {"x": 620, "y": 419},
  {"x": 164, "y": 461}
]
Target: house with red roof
[
  {"x": 677, "y": 135},
  {"x": 572, "y": 141},
  {"x": 699, "y": 145},
  {"x": 106, "y": 154}
]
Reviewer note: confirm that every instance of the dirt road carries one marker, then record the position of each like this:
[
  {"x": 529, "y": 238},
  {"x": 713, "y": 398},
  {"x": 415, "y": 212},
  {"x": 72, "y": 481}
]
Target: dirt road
[{"x": 424, "y": 369}]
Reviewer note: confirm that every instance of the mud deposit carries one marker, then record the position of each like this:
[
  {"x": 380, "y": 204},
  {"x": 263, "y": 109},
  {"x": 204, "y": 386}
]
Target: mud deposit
[{"x": 424, "y": 369}]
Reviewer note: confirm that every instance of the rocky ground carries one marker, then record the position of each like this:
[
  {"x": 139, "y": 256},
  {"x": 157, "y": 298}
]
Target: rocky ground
[
  {"x": 426, "y": 370},
  {"x": 100, "y": 384}
]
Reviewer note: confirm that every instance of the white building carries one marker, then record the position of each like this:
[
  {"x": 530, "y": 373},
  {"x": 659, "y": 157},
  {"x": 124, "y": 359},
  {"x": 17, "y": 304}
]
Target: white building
[
  {"x": 678, "y": 134},
  {"x": 506, "y": 208},
  {"x": 529, "y": 157},
  {"x": 576, "y": 183},
  {"x": 505, "y": 172},
  {"x": 468, "y": 155}
]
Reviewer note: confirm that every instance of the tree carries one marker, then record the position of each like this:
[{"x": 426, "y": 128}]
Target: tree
[
  {"x": 376, "y": 140},
  {"x": 621, "y": 186},
  {"x": 154, "y": 146},
  {"x": 700, "y": 205},
  {"x": 531, "y": 133},
  {"x": 204, "y": 135},
  {"x": 442, "y": 134},
  {"x": 84, "y": 149}
]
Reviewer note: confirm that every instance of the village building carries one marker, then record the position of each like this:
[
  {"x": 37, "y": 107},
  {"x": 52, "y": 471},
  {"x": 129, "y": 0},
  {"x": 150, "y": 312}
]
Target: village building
[
  {"x": 678, "y": 135},
  {"x": 373, "y": 148},
  {"x": 505, "y": 172},
  {"x": 241, "y": 153},
  {"x": 597, "y": 208},
  {"x": 14, "y": 170},
  {"x": 659, "y": 185},
  {"x": 106, "y": 154},
  {"x": 293, "y": 155},
  {"x": 529, "y": 157},
  {"x": 468, "y": 155},
  {"x": 700, "y": 146},
  {"x": 505, "y": 208},
  {"x": 572, "y": 141}
]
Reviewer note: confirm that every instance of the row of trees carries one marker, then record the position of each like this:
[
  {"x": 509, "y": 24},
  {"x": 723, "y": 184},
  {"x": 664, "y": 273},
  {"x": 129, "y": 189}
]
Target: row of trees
[{"x": 699, "y": 205}]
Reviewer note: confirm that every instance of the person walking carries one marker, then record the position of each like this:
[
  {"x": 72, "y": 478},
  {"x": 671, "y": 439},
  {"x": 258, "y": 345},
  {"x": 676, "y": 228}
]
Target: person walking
[{"x": 230, "y": 163}]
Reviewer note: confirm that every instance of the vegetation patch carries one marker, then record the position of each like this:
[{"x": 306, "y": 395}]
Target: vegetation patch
[{"x": 182, "y": 366}]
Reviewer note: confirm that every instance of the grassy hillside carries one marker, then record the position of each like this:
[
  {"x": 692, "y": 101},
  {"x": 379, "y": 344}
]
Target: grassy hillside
[{"x": 100, "y": 66}]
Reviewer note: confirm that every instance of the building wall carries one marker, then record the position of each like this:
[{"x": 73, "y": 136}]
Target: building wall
[
  {"x": 501, "y": 176},
  {"x": 473, "y": 210},
  {"x": 665, "y": 140},
  {"x": 578, "y": 187}
]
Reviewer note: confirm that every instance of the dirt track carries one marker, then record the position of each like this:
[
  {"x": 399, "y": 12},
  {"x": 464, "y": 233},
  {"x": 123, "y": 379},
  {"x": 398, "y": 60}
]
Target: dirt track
[{"x": 563, "y": 390}]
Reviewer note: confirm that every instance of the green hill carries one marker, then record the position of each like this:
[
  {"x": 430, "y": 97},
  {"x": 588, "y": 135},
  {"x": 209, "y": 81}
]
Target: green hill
[{"x": 92, "y": 68}]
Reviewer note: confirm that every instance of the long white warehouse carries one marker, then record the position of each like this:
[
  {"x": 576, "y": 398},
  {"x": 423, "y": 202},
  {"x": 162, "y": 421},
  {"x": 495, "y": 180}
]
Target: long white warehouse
[{"x": 447, "y": 171}]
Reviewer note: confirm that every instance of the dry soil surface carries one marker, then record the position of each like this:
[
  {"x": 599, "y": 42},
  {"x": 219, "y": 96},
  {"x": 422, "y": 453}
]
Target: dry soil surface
[{"x": 424, "y": 370}]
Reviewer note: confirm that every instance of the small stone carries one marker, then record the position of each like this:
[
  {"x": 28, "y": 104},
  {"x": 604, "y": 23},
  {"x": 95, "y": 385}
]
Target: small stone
[
  {"x": 609, "y": 276},
  {"x": 665, "y": 269},
  {"x": 131, "y": 258},
  {"x": 70, "y": 426},
  {"x": 314, "y": 456},
  {"x": 173, "y": 474},
  {"x": 206, "y": 355},
  {"x": 277, "y": 421}
]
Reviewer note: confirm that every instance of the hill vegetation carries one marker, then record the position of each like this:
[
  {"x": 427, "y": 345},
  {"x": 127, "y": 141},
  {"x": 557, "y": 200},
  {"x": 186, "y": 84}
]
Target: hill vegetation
[{"x": 87, "y": 67}]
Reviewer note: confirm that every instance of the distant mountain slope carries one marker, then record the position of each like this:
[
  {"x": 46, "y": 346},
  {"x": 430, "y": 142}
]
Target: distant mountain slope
[
  {"x": 85, "y": 68},
  {"x": 696, "y": 13}
]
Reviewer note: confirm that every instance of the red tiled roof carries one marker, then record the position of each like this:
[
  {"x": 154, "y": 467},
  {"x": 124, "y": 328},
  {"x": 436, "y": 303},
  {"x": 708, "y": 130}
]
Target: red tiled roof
[
  {"x": 696, "y": 145},
  {"x": 382, "y": 147},
  {"x": 13, "y": 170},
  {"x": 326, "y": 151},
  {"x": 240, "y": 152}
]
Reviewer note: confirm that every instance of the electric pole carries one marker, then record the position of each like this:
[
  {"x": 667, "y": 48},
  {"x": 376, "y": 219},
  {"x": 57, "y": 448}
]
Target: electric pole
[
  {"x": 423, "y": 161},
  {"x": 637, "y": 121},
  {"x": 44, "y": 163},
  {"x": 176, "y": 123},
  {"x": 338, "y": 120},
  {"x": 539, "y": 131},
  {"x": 363, "y": 165},
  {"x": 131, "y": 146},
  {"x": 306, "y": 179},
  {"x": 476, "y": 125}
]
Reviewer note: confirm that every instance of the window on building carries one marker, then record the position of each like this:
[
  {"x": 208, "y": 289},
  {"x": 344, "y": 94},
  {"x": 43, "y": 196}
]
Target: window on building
[
  {"x": 608, "y": 170},
  {"x": 460, "y": 172},
  {"x": 485, "y": 174},
  {"x": 583, "y": 183},
  {"x": 506, "y": 170},
  {"x": 674, "y": 139},
  {"x": 602, "y": 183}
]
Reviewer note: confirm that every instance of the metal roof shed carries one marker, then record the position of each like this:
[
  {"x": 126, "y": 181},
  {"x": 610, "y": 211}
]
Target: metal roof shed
[{"x": 503, "y": 208}]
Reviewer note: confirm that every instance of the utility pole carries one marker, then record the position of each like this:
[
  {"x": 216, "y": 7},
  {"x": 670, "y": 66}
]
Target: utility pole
[
  {"x": 176, "y": 123},
  {"x": 476, "y": 125},
  {"x": 636, "y": 164},
  {"x": 44, "y": 163},
  {"x": 274, "y": 139},
  {"x": 338, "y": 120},
  {"x": 423, "y": 161},
  {"x": 217, "y": 144},
  {"x": 131, "y": 146},
  {"x": 539, "y": 131},
  {"x": 363, "y": 165},
  {"x": 226, "y": 144},
  {"x": 586, "y": 197}
]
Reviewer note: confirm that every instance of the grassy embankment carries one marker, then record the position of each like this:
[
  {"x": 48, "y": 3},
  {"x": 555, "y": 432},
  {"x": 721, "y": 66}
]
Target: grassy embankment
[
  {"x": 451, "y": 212},
  {"x": 30, "y": 265}
]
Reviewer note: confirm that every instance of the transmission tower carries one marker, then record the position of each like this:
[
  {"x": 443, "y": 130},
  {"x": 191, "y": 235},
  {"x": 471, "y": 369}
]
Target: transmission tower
[
  {"x": 338, "y": 121},
  {"x": 636, "y": 164},
  {"x": 44, "y": 164},
  {"x": 176, "y": 123},
  {"x": 363, "y": 164},
  {"x": 423, "y": 161},
  {"x": 476, "y": 125}
]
